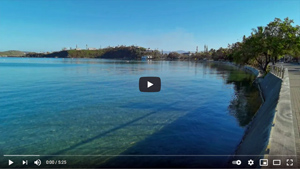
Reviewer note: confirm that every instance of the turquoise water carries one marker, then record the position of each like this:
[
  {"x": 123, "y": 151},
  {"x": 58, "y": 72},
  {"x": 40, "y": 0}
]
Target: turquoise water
[{"x": 93, "y": 107}]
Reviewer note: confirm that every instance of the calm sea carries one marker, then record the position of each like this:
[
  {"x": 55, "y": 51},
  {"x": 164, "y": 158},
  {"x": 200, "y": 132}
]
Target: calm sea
[{"x": 90, "y": 112}]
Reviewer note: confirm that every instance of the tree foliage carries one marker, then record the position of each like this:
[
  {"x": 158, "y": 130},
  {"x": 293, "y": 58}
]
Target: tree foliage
[
  {"x": 268, "y": 44},
  {"x": 173, "y": 55}
]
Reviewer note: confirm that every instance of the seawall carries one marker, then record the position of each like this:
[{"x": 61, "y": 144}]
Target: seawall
[
  {"x": 252, "y": 70},
  {"x": 270, "y": 134}
]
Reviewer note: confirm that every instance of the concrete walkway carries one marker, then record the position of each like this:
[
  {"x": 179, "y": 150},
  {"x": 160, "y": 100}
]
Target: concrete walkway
[{"x": 294, "y": 76}]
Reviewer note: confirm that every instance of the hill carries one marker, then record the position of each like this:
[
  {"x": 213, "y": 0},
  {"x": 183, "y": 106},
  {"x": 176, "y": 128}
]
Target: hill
[
  {"x": 12, "y": 53},
  {"x": 122, "y": 52}
]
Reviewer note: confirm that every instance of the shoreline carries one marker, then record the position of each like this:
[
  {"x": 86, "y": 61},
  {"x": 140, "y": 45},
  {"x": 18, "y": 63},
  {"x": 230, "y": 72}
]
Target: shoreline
[{"x": 271, "y": 130}]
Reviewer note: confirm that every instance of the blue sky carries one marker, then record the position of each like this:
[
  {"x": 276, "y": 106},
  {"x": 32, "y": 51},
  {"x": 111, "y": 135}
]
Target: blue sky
[{"x": 32, "y": 25}]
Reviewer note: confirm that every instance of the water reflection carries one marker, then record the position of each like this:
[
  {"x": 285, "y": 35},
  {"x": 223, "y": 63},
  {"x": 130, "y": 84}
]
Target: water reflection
[{"x": 246, "y": 99}]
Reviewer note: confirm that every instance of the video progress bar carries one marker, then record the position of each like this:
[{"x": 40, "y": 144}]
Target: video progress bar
[{"x": 122, "y": 155}]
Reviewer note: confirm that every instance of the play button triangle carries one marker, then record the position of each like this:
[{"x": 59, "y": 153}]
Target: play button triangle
[
  {"x": 10, "y": 162},
  {"x": 149, "y": 84}
]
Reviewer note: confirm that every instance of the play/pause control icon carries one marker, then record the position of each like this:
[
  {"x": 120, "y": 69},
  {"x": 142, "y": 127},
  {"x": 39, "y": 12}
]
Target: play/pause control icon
[{"x": 10, "y": 162}]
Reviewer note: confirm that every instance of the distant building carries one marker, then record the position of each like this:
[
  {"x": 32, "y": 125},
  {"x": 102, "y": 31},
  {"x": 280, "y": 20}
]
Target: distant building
[
  {"x": 187, "y": 54},
  {"x": 151, "y": 50},
  {"x": 91, "y": 49},
  {"x": 146, "y": 57}
]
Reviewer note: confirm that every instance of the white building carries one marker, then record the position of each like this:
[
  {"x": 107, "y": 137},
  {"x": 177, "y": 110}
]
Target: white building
[
  {"x": 147, "y": 57},
  {"x": 187, "y": 54}
]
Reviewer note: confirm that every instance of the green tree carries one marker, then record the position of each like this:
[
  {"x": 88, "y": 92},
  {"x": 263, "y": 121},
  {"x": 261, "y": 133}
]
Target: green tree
[
  {"x": 282, "y": 38},
  {"x": 267, "y": 44},
  {"x": 173, "y": 55}
]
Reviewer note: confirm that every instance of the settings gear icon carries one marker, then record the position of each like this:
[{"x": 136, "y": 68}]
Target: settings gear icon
[{"x": 250, "y": 162}]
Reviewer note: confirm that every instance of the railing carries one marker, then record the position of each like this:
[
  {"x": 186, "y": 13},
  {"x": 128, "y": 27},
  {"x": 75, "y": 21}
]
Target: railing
[{"x": 277, "y": 71}]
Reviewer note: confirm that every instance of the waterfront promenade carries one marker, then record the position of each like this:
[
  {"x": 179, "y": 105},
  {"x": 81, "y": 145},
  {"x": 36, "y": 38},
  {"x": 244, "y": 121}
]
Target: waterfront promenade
[
  {"x": 294, "y": 76},
  {"x": 294, "y": 80}
]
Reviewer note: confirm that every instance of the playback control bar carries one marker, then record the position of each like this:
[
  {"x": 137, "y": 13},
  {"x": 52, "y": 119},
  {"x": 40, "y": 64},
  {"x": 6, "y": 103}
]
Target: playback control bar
[{"x": 146, "y": 161}]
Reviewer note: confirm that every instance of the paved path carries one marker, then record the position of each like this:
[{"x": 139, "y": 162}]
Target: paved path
[{"x": 294, "y": 76}]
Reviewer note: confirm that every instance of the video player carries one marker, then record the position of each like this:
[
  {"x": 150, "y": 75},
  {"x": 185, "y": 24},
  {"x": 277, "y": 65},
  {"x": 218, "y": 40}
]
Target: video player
[{"x": 149, "y": 84}]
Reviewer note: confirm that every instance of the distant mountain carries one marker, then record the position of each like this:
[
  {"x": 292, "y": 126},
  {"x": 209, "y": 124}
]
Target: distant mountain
[
  {"x": 12, "y": 53},
  {"x": 178, "y": 51}
]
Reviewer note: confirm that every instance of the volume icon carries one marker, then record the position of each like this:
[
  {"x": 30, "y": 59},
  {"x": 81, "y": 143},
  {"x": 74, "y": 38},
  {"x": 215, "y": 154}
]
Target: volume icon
[{"x": 37, "y": 162}]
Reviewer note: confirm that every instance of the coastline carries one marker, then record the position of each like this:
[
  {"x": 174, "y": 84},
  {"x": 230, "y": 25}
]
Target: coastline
[
  {"x": 271, "y": 130},
  {"x": 256, "y": 136}
]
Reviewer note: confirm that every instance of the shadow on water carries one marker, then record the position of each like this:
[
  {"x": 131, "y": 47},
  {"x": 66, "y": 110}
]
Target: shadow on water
[
  {"x": 177, "y": 145},
  {"x": 104, "y": 133},
  {"x": 159, "y": 108}
]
